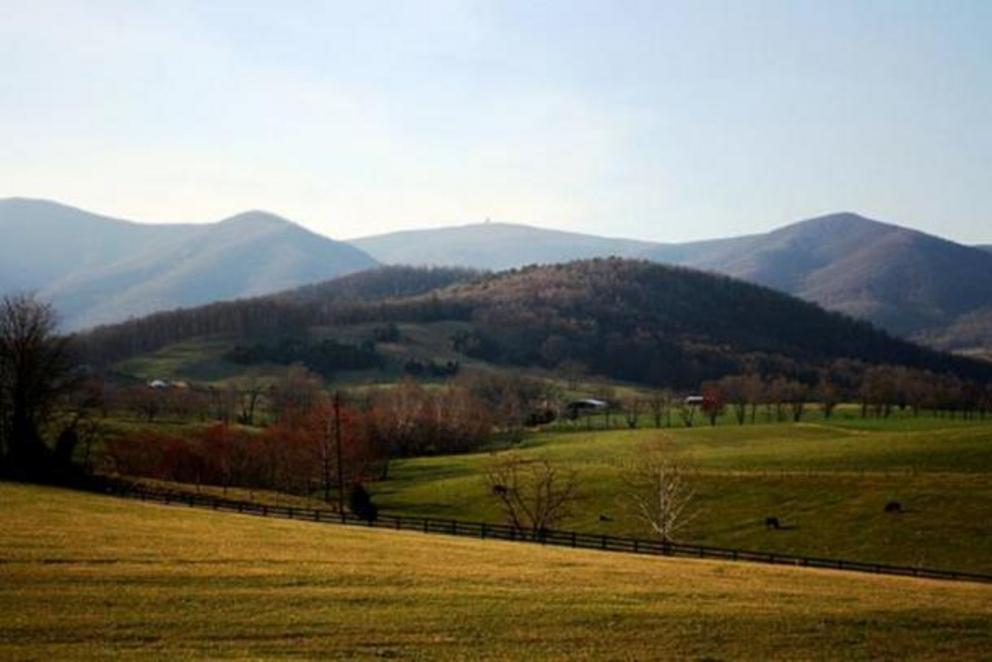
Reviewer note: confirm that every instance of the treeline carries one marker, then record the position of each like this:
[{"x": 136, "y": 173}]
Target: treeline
[
  {"x": 296, "y": 455},
  {"x": 295, "y": 448},
  {"x": 753, "y": 398},
  {"x": 385, "y": 283}
]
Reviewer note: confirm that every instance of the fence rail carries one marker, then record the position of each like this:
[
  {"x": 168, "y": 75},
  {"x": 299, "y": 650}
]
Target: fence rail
[{"x": 575, "y": 539}]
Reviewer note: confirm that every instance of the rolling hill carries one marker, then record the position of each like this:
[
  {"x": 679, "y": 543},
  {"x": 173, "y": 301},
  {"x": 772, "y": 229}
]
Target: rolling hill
[
  {"x": 625, "y": 319},
  {"x": 98, "y": 270},
  {"x": 912, "y": 284},
  {"x": 633, "y": 319}
]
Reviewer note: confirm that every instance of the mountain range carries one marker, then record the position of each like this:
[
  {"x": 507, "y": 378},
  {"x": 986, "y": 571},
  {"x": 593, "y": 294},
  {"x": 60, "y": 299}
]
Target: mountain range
[
  {"x": 97, "y": 269},
  {"x": 910, "y": 283}
]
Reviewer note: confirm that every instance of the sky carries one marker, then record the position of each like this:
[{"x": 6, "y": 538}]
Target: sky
[{"x": 667, "y": 121}]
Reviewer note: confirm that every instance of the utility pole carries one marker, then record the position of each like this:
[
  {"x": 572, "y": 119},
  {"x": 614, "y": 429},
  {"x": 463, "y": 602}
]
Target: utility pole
[{"x": 337, "y": 441}]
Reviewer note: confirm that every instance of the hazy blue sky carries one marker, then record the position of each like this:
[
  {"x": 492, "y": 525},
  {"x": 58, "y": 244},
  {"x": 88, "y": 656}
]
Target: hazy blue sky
[{"x": 661, "y": 120}]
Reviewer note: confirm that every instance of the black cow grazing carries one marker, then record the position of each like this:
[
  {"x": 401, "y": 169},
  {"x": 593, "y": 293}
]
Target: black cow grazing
[
  {"x": 605, "y": 518},
  {"x": 893, "y": 507},
  {"x": 772, "y": 523}
]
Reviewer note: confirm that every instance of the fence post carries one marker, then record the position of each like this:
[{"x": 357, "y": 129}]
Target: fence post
[
  {"x": 316, "y": 515},
  {"x": 602, "y": 542},
  {"x": 482, "y": 531},
  {"x": 399, "y": 521},
  {"x": 426, "y": 524},
  {"x": 265, "y": 510},
  {"x": 289, "y": 510},
  {"x": 636, "y": 550},
  {"x": 574, "y": 539}
]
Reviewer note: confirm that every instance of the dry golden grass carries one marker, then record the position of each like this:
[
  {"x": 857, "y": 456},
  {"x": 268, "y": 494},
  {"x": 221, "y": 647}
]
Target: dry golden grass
[{"x": 84, "y": 576}]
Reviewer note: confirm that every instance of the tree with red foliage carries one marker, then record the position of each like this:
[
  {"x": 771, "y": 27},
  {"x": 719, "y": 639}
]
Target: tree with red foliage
[{"x": 714, "y": 402}]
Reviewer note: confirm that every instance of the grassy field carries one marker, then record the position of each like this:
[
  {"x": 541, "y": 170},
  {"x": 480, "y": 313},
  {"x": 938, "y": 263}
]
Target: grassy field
[
  {"x": 828, "y": 483},
  {"x": 84, "y": 576}
]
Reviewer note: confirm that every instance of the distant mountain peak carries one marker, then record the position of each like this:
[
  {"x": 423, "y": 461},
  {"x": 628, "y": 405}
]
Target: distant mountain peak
[
  {"x": 96, "y": 269},
  {"x": 257, "y": 218},
  {"x": 844, "y": 220}
]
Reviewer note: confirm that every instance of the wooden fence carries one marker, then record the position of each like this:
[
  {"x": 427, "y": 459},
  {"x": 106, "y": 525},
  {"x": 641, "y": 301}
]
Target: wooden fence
[{"x": 575, "y": 539}]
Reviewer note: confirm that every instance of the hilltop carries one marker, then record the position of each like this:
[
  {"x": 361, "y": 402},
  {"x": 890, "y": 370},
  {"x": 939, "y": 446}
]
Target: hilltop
[
  {"x": 98, "y": 270},
  {"x": 635, "y": 319}
]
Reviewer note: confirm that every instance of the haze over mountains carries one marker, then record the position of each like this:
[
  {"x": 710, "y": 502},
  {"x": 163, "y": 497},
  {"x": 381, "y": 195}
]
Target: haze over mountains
[
  {"x": 97, "y": 269},
  {"x": 910, "y": 283},
  {"x": 494, "y": 246}
]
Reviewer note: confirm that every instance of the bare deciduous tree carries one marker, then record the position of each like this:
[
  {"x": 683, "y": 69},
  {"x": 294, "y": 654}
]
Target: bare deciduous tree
[
  {"x": 249, "y": 389},
  {"x": 659, "y": 489},
  {"x": 534, "y": 494},
  {"x": 735, "y": 391},
  {"x": 687, "y": 412},
  {"x": 829, "y": 395},
  {"x": 35, "y": 372},
  {"x": 660, "y": 403},
  {"x": 632, "y": 411}
]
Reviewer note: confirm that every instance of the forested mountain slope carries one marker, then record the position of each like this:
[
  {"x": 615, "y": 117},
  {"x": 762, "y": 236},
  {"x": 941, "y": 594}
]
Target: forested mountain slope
[
  {"x": 912, "y": 284},
  {"x": 624, "y": 319}
]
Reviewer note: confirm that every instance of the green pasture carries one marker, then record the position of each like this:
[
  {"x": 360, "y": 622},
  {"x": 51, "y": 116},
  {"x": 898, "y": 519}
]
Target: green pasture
[
  {"x": 827, "y": 483},
  {"x": 91, "y": 577}
]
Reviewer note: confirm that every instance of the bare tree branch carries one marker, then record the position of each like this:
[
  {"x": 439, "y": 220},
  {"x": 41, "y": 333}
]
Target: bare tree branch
[
  {"x": 659, "y": 489},
  {"x": 534, "y": 494}
]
